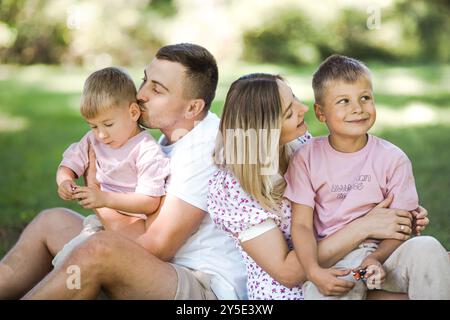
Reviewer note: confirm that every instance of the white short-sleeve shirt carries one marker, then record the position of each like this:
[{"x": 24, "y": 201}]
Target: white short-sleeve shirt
[{"x": 209, "y": 250}]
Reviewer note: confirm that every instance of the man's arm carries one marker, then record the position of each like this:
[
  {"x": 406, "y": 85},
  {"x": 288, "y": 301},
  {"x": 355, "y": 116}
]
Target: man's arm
[
  {"x": 176, "y": 221},
  {"x": 163, "y": 233}
]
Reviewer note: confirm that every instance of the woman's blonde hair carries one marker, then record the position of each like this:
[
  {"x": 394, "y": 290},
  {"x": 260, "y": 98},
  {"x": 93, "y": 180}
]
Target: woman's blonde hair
[
  {"x": 104, "y": 89},
  {"x": 251, "y": 123}
]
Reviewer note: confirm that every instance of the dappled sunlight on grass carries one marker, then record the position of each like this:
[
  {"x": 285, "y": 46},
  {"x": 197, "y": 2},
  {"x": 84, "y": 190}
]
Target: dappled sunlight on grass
[
  {"x": 414, "y": 114},
  {"x": 412, "y": 81},
  {"x": 65, "y": 80},
  {"x": 10, "y": 123}
]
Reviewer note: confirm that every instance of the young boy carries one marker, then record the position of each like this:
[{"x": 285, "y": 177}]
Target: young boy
[
  {"x": 333, "y": 180},
  {"x": 131, "y": 167}
]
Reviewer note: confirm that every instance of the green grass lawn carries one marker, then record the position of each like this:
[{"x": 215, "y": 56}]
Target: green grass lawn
[{"x": 39, "y": 118}]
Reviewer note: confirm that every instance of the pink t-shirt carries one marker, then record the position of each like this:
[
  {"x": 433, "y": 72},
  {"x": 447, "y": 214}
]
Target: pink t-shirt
[
  {"x": 341, "y": 187},
  {"x": 139, "y": 166}
]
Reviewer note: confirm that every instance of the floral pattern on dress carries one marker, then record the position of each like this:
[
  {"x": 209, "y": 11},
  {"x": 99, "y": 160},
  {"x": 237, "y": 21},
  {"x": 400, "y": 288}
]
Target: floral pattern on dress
[{"x": 234, "y": 211}]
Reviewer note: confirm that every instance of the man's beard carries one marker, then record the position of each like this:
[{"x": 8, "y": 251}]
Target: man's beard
[{"x": 143, "y": 123}]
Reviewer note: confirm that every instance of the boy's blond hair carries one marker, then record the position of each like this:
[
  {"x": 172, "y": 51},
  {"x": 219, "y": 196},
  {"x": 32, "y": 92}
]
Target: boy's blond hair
[
  {"x": 337, "y": 68},
  {"x": 104, "y": 89}
]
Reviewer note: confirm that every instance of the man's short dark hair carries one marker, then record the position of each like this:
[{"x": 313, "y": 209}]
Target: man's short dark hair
[{"x": 201, "y": 69}]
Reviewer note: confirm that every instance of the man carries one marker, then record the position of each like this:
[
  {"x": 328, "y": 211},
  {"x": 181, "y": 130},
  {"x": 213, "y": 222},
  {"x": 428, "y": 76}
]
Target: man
[{"x": 130, "y": 260}]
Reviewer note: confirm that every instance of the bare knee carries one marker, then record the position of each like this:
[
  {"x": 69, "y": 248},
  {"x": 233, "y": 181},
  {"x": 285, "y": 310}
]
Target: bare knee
[
  {"x": 48, "y": 218},
  {"x": 40, "y": 225},
  {"x": 55, "y": 215},
  {"x": 93, "y": 254},
  {"x": 55, "y": 227}
]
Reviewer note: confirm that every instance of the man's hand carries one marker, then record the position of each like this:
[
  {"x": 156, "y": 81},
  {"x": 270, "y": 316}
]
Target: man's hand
[
  {"x": 328, "y": 283},
  {"x": 66, "y": 189},
  {"x": 90, "y": 179},
  {"x": 375, "y": 274},
  {"x": 90, "y": 197}
]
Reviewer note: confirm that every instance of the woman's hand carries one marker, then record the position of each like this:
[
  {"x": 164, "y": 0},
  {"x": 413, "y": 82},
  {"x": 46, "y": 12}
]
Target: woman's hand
[{"x": 384, "y": 223}]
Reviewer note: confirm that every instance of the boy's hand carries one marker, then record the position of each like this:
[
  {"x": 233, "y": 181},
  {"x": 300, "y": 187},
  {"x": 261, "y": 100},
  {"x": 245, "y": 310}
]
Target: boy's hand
[
  {"x": 327, "y": 282},
  {"x": 420, "y": 220},
  {"x": 66, "y": 189},
  {"x": 90, "y": 197},
  {"x": 375, "y": 274}
]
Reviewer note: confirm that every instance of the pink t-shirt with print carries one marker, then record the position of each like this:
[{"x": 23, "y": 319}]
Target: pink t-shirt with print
[
  {"x": 139, "y": 166},
  {"x": 341, "y": 187}
]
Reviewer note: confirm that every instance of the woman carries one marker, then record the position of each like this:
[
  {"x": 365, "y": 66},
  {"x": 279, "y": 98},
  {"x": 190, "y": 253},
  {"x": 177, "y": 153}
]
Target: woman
[{"x": 262, "y": 123}]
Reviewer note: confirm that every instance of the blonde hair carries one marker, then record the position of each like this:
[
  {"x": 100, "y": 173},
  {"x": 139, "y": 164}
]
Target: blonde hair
[
  {"x": 253, "y": 107},
  {"x": 104, "y": 89}
]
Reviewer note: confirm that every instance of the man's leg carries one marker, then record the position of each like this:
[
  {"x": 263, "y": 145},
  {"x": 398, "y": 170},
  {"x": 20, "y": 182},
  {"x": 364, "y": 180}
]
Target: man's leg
[
  {"x": 30, "y": 258},
  {"x": 113, "y": 263}
]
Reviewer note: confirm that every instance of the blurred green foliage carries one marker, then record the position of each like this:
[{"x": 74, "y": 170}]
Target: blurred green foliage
[
  {"x": 78, "y": 32},
  {"x": 408, "y": 31},
  {"x": 289, "y": 32}
]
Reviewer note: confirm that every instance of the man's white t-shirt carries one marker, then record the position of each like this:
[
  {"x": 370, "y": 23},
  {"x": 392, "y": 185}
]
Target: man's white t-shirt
[{"x": 209, "y": 250}]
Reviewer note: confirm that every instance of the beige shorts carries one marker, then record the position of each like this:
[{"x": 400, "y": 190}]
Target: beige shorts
[{"x": 193, "y": 285}]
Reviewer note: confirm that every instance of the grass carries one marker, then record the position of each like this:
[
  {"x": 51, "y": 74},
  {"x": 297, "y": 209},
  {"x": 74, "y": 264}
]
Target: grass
[{"x": 39, "y": 118}]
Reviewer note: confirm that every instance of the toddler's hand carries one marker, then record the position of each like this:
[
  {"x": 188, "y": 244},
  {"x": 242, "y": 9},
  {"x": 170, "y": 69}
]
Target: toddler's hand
[
  {"x": 66, "y": 189},
  {"x": 90, "y": 197}
]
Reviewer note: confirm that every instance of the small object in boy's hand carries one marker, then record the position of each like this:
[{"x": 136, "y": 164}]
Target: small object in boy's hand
[
  {"x": 359, "y": 275},
  {"x": 73, "y": 188}
]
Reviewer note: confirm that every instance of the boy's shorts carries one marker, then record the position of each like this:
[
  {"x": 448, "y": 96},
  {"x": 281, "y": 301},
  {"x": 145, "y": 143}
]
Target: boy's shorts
[{"x": 193, "y": 284}]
